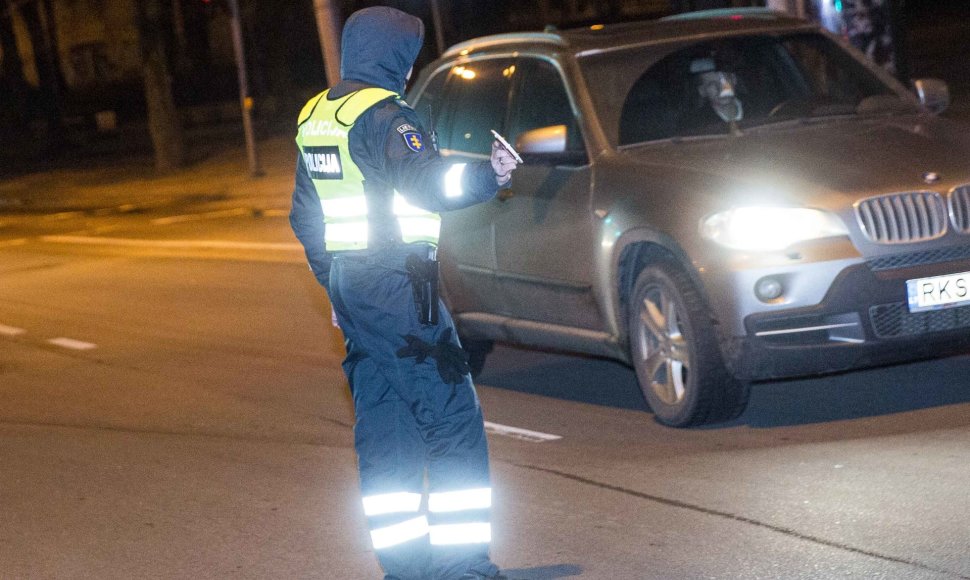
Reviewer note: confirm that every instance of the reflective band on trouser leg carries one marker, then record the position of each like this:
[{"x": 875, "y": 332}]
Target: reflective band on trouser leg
[
  {"x": 389, "y": 503},
  {"x": 391, "y": 507},
  {"x": 474, "y": 502},
  {"x": 455, "y": 501},
  {"x": 453, "y": 179},
  {"x": 396, "y": 534},
  {"x": 457, "y": 534}
]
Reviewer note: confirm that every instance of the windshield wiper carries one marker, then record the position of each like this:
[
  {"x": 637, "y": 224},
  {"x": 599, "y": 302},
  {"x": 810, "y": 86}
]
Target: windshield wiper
[{"x": 819, "y": 114}]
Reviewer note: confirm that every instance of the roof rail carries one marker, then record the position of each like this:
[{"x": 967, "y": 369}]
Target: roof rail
[
  {"x": 754, "y": 12},
  {"x": 508, "y": 38}
]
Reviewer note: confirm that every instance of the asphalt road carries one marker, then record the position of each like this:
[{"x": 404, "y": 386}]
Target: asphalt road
[{"x": 172, "y": 406}]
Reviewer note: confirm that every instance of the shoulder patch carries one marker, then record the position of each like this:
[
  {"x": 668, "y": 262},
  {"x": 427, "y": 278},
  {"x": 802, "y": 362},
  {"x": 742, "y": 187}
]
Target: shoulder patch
[
  {"x": 413, "y": 140},
  {"x": 405, "y": 128}
]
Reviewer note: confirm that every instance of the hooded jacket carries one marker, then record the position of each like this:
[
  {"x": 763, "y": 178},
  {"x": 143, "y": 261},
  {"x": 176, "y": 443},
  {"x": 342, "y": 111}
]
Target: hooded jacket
[{"x": 378, "y": 49}]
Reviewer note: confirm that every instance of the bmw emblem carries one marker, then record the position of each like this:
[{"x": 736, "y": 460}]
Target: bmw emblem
[{"x": 931, "y": 177}]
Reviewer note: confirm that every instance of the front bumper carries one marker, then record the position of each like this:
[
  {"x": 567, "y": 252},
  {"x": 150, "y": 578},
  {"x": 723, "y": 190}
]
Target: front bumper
[{"x": 863, "y": 321}]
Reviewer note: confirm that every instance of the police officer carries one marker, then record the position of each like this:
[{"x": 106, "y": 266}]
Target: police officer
[{"x": 369, "y": 185}]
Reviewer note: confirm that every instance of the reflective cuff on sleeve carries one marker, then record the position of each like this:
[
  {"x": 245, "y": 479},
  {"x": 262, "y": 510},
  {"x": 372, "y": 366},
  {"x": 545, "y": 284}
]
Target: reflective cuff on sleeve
[{"x": 453, "y": 179}]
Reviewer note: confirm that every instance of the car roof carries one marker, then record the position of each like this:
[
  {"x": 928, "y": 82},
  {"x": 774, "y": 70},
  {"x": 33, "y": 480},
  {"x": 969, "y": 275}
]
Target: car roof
[{"x": 686, "y": 26}]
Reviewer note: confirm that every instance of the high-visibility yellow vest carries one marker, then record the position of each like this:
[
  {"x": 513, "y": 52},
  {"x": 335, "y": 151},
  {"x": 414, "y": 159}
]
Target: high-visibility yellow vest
[{"x": 324, "y": 126}]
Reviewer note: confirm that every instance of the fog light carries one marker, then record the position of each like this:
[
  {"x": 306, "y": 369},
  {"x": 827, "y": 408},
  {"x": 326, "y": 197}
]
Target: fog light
[{"x": 768, "y": 289}]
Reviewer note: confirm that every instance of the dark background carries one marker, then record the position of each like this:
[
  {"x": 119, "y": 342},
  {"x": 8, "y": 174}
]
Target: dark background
[{"x": 285, "y": 68}]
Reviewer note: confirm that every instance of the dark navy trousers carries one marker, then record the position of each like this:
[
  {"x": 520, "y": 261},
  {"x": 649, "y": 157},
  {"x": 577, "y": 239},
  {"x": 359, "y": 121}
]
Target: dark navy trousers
[{"x": 420, "y": 442}]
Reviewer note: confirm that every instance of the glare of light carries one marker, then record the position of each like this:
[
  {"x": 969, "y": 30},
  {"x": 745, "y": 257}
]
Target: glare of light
[
  {"x": 770, "y": 228},
  {"x": 596, "y": 27},
  {"x": 508, "y": 71},
  {"x": 465, "y": 73},
  {"x": 464, "y": 52}
]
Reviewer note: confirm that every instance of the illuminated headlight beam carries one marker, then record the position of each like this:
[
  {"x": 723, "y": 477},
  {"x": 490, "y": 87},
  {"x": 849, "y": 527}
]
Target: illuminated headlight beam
[{"x": 770, "y": 228}]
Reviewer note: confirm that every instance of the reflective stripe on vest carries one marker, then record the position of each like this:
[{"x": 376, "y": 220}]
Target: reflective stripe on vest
[{"x": 324, "y": 144}]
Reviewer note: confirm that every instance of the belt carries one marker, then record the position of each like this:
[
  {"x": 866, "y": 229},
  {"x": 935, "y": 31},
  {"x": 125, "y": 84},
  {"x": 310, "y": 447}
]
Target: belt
[{"x": 390, "y": 255}]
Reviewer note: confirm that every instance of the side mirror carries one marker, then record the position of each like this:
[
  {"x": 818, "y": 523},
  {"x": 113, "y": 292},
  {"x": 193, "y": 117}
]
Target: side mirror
[
  {"x": 547, "y": 145},
  {"x": 933, "y": 94}
]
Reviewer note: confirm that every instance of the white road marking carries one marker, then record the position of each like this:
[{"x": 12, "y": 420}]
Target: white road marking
[
  {"x": 64, "y": 215},
  {"x": 72, "y": 344},
  {"x": 276, "y": 213},
  {"x": 11, "y": 330},
  {"x": 202, "y": 216},
  {"x": 176, "y": 244},
  {"x": 517, "y": 433}
]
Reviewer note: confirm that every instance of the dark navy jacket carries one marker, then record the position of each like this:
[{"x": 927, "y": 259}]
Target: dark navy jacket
[{"x": 378, "y": 49}]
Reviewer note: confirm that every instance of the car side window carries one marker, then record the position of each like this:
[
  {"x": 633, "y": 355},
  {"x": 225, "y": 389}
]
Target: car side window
[
  {"x": 478, "y": 96},
  {"x": 430, "y": 104},
  {"x": 541, "y": 101}
]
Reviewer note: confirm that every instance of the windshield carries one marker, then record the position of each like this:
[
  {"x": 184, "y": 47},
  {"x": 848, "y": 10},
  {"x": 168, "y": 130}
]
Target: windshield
[{"x": 729, "y": 85}]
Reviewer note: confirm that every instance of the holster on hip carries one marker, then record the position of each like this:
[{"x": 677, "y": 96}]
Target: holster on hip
[{"x": 424, "y": 282}]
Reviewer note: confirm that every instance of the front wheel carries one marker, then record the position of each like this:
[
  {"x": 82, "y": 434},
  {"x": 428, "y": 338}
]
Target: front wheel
[{"x": 675, "y": 352}]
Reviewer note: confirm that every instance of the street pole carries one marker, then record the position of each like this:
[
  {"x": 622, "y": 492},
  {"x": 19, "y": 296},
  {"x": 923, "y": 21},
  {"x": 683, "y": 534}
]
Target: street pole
[
  {"x": 439, "y": 33},
  {"x": 328, "y": 26},
  {"x": 245, "y": 101}
]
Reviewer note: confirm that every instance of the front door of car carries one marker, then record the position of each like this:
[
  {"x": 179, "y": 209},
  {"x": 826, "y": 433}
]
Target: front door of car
[
  {"x": 544, "y": 230},
  {"x": 463, "y": 103}
]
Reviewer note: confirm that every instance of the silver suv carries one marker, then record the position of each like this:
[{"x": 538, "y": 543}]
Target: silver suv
[{"x": 715, "y": 198}]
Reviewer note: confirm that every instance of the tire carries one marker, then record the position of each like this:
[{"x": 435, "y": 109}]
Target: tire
[
  {"x": 675, "y": 352},
  {"x": 478, "y": 350}
]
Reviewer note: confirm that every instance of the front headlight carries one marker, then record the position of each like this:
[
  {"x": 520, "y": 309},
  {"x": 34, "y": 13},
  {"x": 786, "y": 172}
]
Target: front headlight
[{"x": 770, "y": 228}]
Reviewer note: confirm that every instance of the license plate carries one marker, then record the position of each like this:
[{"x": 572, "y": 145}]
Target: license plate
[{"x": 938, "y": 292}]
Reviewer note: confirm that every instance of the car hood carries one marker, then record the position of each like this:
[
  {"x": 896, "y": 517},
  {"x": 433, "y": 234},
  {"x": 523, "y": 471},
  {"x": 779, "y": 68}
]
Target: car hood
[{"x": 822, "y": 163}]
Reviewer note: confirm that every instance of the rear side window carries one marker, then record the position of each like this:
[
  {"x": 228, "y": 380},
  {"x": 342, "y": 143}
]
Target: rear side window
[{"x": 477, "y": 94}]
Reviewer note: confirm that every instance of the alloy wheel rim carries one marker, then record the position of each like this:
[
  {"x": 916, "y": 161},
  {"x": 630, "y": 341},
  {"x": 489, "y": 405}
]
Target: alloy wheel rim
[{"x": 662, "y": 347}]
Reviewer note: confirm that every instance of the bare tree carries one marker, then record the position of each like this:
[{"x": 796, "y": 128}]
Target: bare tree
[
  {"x": 11, "y": 65},
  {"x": 164, "y": 123},
  {"x": 38, "y": 18},
  {"x": 13, "y": 84}
]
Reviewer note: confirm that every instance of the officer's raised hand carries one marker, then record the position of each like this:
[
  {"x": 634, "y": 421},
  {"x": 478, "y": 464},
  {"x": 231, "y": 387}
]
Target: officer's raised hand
[{"x": 503, "y": 163}]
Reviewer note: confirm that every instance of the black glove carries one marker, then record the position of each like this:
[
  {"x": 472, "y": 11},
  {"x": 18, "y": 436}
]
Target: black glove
[{"x": 451, "y": 360}]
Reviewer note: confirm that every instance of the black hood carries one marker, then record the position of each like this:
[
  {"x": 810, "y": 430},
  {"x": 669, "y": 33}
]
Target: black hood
[{"x": 379, "y": 46}]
